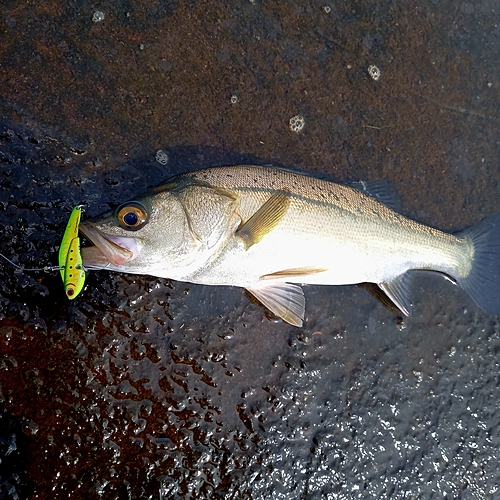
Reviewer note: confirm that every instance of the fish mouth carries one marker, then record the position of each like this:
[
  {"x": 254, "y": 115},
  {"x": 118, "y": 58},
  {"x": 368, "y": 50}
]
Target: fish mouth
[{"x": 108, "y": 251}]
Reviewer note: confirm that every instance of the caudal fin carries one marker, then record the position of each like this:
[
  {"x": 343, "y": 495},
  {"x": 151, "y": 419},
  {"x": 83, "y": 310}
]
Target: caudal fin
[{"x": 483, "y": 281}]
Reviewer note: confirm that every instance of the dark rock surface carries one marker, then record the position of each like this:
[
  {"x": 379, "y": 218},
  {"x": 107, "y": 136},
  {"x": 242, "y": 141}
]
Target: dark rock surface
[{"x": 147, "y": 388}]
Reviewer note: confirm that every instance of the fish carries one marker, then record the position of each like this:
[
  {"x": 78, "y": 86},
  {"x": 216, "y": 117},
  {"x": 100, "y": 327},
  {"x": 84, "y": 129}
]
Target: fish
[{"x": 271, "y": 230}]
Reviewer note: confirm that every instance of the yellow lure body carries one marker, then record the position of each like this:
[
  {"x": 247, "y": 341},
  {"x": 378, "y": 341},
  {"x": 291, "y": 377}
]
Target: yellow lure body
[
  {"x": 70, "y": 259},
  {"x": 74, "y": 274}
]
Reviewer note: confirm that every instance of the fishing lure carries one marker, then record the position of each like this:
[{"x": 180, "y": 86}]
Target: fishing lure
[
  {"x": 70, "y": 259},
  {"x": 70, "y": 233}
]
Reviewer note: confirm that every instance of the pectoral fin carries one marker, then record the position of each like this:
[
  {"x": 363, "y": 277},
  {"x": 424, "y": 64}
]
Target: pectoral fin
[
  {"x": 264, "y": 220},
  {"x": 397, "y": 290},
  {"x": 283, "y": 299}
]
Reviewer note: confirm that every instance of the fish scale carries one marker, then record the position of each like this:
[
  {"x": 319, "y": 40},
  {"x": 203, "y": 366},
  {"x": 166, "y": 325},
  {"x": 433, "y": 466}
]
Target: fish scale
[{"x": 269, "y": 230}]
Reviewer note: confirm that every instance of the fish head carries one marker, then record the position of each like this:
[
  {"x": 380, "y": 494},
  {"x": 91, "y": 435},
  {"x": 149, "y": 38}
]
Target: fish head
[{"x": 169, "y": 232}]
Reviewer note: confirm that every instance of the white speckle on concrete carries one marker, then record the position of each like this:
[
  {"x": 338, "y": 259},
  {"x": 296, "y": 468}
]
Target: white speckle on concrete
[
  {"x": 374, "y": 72},
  {"x": 98, "y": 16},
  {"x": 297, "y": 123}
]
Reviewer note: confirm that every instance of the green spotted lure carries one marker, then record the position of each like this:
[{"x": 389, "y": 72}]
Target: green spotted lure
[{"x": 70, "y": 259}]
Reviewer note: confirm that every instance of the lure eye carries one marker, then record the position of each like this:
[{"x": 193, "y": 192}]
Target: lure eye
[{"x": 132, "y": 216}]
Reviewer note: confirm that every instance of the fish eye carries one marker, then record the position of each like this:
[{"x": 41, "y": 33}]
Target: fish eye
[{"x": 132, "y": 215}]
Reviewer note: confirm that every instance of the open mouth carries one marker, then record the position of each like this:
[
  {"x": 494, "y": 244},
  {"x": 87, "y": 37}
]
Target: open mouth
[{"x": 108, "y": 250}]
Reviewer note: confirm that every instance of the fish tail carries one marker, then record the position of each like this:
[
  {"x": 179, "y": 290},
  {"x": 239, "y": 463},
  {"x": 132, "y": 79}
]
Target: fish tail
[{"x": 483, "y": 281}]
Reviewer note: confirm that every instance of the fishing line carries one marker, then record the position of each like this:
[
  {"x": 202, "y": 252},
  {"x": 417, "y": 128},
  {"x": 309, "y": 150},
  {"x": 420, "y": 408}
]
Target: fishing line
[{"x": 22, "y": 269}]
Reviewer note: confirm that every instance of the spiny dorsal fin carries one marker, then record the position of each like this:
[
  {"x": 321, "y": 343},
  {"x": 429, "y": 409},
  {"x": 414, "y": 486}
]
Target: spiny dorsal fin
[
  {"x": 283, "y": 299},
  {"x": 296, "y": 272},
  {"x": 264, "y": 220}
]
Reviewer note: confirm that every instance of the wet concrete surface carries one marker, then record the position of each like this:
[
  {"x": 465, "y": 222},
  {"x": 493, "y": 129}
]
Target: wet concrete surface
[{"x": 147, "y": 388}]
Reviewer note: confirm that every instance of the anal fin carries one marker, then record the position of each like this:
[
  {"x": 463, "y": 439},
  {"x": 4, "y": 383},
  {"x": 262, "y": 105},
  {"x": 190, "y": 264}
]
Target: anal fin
[
  {"x": 375, "y": 291},
  {"x": 286, "y": 300},
  {"x": 397, "y": 290}
]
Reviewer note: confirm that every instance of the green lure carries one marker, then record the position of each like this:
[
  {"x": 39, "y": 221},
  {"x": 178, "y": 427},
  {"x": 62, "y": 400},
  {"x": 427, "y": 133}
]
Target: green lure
[{"x": 70, "y": 259}]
